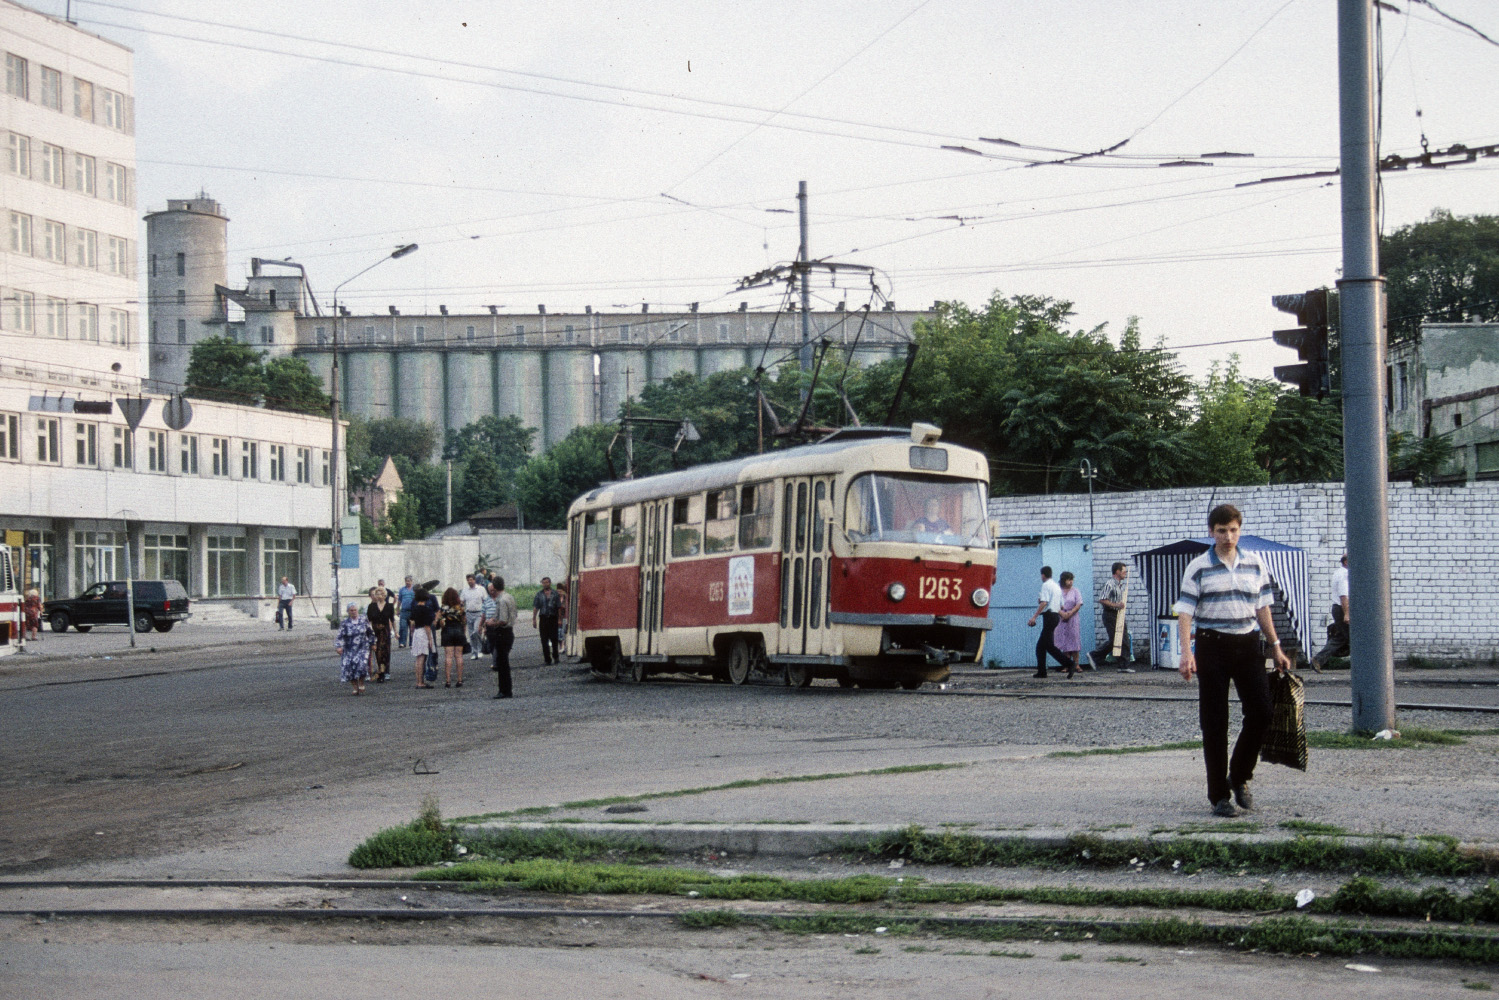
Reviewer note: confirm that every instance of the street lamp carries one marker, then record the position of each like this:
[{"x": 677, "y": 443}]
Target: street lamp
[
  {"x": 336, "y": 537},
  {"x": 1086, "y": 471}
]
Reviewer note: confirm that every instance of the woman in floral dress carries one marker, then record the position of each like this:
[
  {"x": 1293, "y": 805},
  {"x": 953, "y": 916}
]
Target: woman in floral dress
[
  {"x": 354, "y": 640},
  {"x": 1069, "y": 636}
]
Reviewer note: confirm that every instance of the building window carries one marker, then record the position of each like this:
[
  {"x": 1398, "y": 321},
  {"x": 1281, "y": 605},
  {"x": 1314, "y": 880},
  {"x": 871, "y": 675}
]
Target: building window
[
  {"x": 469, "y": 332},
  {"x": 304, "y": 466},
  {"x": 272, "y": 296},
  {"x": 53, "y": 171},
  {"x": 723, "y": 333},
  {"x": 117, "y": 256},
  {"x": 326, "y": 477},
  {"x": 48, "y": 441},
  {"x": 280, "y": 557},
  {"x": 624, "y": 333},
  {"x": 18, "y": 155},
  {"x": 220, "y": 449},
  {"x": 189, "y": 455},
  {"x": 54, "y": 241},
  {"x": 267, "y": 335},
  {"x": 567, "y": 334},
  {"x": 55, "y": 318},
  {"x": 322, "y": 335},
  {"x": 85, "y": 248},
  {"x": 227, "y": 561},
  {"x": 119, "y": 327},
  {"x": 20, "y": 233},
  {"x": 88, "y": 322},
  {"x": 153, "y": 265},
  {"x": 182, "y": 331},
  {"x": 21, "y": 315},
  {"x": 10, "y": 437},
  {"x": 520, "y": 331},
  {"x": 181, "y": 265},
  {"x": 114, "y": 109},
  {"x": 166, "y": 557},
  {"x": 86, "y": 445},
  {"x": 98, "y": 556},
  {"x": 51, "y": 88},
  {"x": 124, "y": 448},
  {"x": 84, "y": 173},
  {"x": 277, "y": 455},
  {"x": 156, "y": 451},
  {"x": 17, "y": 77},
  {"x": 83, "y": 99},
  {"x": 249, "y": 460},
  {"x": 369, "y": 335},
  {"x": 421, "y": 334}
]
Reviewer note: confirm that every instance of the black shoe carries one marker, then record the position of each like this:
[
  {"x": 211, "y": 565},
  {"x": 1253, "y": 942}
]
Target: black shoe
[
  {"x": 1040, "y": 673},
  {"x": 1243, "y": 796},
  {"x": 1225, "y": 809},
  {"x": 502, "y": 696}
]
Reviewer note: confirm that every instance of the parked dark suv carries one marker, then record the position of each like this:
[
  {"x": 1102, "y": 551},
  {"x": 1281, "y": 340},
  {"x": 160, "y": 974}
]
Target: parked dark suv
[{"x": 158, "y": 603}]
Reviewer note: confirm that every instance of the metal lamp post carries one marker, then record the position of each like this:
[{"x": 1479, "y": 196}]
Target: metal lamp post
[
  {"x": 1089, "y": 473},
  {"x": 126, "y": 516},
  {"x": 336, "y": 536}
]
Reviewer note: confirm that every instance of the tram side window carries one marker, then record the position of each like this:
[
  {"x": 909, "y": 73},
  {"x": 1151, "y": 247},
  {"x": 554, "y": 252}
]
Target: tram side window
[
  {"x": 756, "y": 514},
  {"x": 719, "y": 530},
  {"x": 622, "y": 531},
  {"x": 595, "y": 541},
  {"x": 687, "y": 526}
]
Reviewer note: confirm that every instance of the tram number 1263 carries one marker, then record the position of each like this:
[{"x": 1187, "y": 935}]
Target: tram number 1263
[{"x": 941, "y": 588}]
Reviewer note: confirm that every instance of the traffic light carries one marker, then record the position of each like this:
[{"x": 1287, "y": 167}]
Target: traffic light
[{"x": 1310, "y": 341}]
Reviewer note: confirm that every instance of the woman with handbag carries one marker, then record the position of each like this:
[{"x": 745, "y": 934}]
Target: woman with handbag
[
  {"x": 423, "y": 647},
  {"x": 452, "y": 624},
  {"x": 382, "y": 617}
]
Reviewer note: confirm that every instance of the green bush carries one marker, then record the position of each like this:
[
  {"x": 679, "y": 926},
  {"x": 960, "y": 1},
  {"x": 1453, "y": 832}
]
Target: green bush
[{"x": 423, "y": 841}]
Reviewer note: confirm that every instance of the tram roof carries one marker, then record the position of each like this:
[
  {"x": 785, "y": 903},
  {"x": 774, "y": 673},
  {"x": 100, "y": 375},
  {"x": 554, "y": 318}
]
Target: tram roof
[{"x": 884, "y": 449}]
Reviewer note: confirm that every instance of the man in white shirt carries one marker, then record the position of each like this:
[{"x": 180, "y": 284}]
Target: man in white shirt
[
  {"x": 1049, "y": 610},
  {"x": 472, "y": 597},
  {"x": 284, "y": 595},
  {"x": 1337, "y": 632}
]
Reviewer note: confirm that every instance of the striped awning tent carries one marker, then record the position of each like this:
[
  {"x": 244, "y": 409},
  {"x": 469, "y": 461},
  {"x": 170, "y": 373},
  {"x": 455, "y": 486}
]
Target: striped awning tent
[{"x": 1161, "y": 571}]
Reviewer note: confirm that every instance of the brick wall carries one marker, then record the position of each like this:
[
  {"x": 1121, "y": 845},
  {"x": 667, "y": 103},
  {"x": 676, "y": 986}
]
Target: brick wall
[{"x": 1443, "y": 541}]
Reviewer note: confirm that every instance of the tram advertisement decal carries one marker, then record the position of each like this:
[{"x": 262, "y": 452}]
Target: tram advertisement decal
[{"x": 742, "y": 585}]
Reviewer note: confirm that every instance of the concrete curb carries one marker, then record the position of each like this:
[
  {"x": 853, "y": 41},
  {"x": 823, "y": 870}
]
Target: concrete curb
[{"x": 808, "y": 839}]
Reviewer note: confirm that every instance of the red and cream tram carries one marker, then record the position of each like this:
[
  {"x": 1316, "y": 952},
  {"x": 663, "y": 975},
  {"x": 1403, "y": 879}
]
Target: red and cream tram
[{"x": 864, "y": 557}]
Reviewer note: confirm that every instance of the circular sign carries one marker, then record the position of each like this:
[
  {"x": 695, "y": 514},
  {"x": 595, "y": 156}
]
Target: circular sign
[{"x": 178, "y": 413}]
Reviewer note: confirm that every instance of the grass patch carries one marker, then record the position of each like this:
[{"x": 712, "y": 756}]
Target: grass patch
[
  {"x": 614, "y": 800},
  {"x": 917, "y": 949},
  {"x": 1125, "y": 958},
  {"x": 1328, "y": 854},
  {"x": 1476, "y": 984},
  {"x": 1069, "y": 956},
  {"x": 1313, "y": 828},
  {"x": 1121, "y": 751},
  {"x": 1414, "y": 736},
  {"x": 1231, "y": 826},
  {"x": 562, "y": 845},
  {"x": 1001, "y": 953},
  {"x": 868, "y": 949},
  {"x": 426, "y": 840}
]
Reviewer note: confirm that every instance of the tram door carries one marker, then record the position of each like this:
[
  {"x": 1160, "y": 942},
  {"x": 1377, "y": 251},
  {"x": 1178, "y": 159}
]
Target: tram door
[
  {"x": 805, "y": 548},
  {"x": 652, "y": 578}
]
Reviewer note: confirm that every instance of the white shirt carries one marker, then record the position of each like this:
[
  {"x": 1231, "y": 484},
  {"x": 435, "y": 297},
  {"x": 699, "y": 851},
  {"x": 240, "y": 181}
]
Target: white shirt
[
  {"x": 1339, "y": 584},
  {"x": 1051, "y": 593},
  {"x": 472, "y": 598},
  {"x": 286, "y": 591}
]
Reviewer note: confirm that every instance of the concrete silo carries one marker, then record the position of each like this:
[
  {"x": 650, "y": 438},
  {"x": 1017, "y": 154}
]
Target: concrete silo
[{"x": 187, "y": 249}]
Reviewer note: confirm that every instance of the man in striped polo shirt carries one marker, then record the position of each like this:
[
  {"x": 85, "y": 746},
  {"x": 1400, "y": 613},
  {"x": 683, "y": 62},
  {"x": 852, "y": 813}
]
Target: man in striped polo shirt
[{"x": 1226, "y": 591}]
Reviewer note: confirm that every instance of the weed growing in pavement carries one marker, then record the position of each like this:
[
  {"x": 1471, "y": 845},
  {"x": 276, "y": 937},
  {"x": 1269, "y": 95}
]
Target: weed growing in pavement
[
  {"x": 867, "y": 950},
  {"x": 615, "y": 800},
  {"x": 423, "y": 841},
  {"x": 997, "y": 953},
  {"x": 1314, "y": 828},
  {"x": 1476, "y": 984},
  {"x": 708, "y": 919},
  {"x": 1069, "y": 956},
  {"x": 1121, "y": 751},
  {"x": 1231, "y": 826},
  {"x": 555, "y": 845},
  {"x": 1414, "y": 736},
  {"x": 1125, "y": 958}
]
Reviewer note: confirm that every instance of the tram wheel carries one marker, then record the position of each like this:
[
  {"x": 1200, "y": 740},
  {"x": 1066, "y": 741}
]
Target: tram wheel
[
  {"x": 606, "y": 661},
  {"x": 911, "y": 683},
  {"x": 798, "y": 675},
  {"x": 637, "y": 670},
  {"x": 739, "y": 661},
  {"x": 846, "y": 682}
]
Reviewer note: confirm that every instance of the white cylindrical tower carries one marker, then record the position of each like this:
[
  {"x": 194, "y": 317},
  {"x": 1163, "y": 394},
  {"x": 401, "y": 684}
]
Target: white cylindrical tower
[{"x": 187, "y": 249}]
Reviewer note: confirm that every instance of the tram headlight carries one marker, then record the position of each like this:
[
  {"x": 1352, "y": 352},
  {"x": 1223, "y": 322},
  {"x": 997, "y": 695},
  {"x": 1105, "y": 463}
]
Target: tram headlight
[
  {"x": 897, "y": 591},
  {"x": 980, "y": 597}
]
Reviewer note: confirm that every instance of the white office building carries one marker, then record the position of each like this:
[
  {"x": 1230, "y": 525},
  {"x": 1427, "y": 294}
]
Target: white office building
[{"x": 68, "y": 281}]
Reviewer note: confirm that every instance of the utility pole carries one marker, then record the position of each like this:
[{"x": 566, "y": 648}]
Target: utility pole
[
  {"x": 1363, "y": 342},
  {"x": 450, "y": 489},
  {"x": 804, "y": 356}
]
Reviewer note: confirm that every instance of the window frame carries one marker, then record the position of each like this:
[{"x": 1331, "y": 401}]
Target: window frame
[
  {"x": 45, "y": 75},
  {"x": 124, "y": 448},
  {"x": 276, "y": 459},
  {"x": 85, "y": 174},
  {"x": 22, "y": 318},
  {"x": 751, "y": 515},
  {"x": 54, "y": 241},
  {"x": 48, "y": 440},
  {"x": 21, "y": 241},
  {"x": 249, "y": 461},
  {"x": 624, "y": 535},
  {"x": 18, "y": 154},
  {"x": 17, "y": 76},
  {"x": 86, "y": 444},
  {"x": 219, "y": 451},
  {"x": 10, "y": 437},
  {"x": 83, "y": 99},
  {"x": 187, "y": 450},
  {"x": 157, "y": 447},
  {"x": 687, "y": 519},
  {"x": 54, "y": 165}
]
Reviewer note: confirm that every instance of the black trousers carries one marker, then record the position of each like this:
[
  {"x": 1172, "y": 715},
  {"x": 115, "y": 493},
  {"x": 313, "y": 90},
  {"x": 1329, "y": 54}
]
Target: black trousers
[
  {"x": 500, "y": 641},
  {"x": 283, "y": 606},
  {"x": 1337, "y": 638},
  {"x": 547, "y": 625},
  {"x": 1126, "y": 651},
  {"x": 1048, "y": 643},
  {"x": 1223, "y": 659}
]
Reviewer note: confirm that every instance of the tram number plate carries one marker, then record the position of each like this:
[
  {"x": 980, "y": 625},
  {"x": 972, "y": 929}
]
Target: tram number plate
[{"x": 941, "y": 588}]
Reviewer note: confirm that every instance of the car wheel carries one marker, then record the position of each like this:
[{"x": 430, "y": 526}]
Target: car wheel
[
  {"x": 83, "y": 628},
  {"x": 164, "y": 626},
  {"x": 59, "y": 621},
  {"x": 144, "y": 621}
]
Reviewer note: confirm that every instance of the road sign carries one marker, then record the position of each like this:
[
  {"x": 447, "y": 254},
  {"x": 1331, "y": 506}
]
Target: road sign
[
  {"x": 134, "y": 409},
  {"x": 177, "y": 413}
]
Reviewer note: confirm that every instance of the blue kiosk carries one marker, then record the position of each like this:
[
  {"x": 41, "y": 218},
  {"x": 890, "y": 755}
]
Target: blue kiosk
[{"x": 1017, "y": 578}]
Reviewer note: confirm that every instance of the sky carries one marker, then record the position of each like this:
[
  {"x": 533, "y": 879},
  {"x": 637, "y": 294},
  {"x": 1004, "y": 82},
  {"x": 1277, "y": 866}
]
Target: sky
[{"x": 588, "y": 153}]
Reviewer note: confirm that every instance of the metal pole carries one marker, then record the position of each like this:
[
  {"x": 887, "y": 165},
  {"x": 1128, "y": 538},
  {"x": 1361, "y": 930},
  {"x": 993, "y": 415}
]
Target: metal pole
[
  {"x": 1363, "y": 342},
  {"x": 450, "y": 490},
  {"x": 130, "y": 564},
  {"x": 804, "y": 356},
  {"x": 1088, "y": 474},
  {"x": 335, "y": 537}
]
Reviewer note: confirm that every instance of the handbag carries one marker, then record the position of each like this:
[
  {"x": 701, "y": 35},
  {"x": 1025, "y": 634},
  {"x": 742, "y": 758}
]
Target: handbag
[{"x": 1285, "y": 742}]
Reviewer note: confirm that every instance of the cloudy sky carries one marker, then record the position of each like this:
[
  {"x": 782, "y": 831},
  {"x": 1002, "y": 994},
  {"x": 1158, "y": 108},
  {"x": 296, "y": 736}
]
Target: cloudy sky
[{"x": 587, "y": 153}]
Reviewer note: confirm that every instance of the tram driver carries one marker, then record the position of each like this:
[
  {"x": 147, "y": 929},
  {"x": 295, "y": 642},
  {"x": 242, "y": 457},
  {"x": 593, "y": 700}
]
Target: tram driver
[{"x": 931, "y": 521}]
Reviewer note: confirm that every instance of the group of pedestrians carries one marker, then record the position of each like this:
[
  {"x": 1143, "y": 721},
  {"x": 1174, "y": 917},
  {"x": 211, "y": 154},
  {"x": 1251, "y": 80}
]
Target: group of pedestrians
[{"x": 451, "y": 626}]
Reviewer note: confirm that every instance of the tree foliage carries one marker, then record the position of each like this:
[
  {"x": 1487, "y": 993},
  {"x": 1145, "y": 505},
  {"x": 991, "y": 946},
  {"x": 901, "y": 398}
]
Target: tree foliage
[
  {"x": 550, "y": 482},
  {"x": 414, "y": 439},
  {"x": 1444, "y": 269},
  {"x": 484, "y": 485},
  {"x": 1303, "y": 440},
  {"x": 1231, "y": 415},
  {"x": 227, "y": 371},
  {"x": 507, "y": 440}
]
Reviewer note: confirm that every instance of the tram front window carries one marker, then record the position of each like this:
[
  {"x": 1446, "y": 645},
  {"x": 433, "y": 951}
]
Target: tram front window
[{"x": 922, "y": 509}]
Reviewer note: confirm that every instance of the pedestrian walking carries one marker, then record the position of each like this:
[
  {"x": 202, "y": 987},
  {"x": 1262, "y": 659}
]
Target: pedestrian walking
[
  {"x": 452, "y": 629},
  {"x": 1112, "y": 600},
  {"x": 382, "y": 618},
  {"x": 546, "y": 608},
  {"x": 353, "y": 645},
  {"x": 1337, "y": 631},
  {"x": 1069, "y": 637},
  {"x": 423, "y": 646},
  {"x": 472, "y": 597},
  {"x": 500, "y": 613},
  {"x": 1049, "y": 610},
  {"x": 1226, "y": 592},
  {"x": 31, "y": 616},
  {"x": 404, "y": 598},
  {"x": 285, "y": 594}
]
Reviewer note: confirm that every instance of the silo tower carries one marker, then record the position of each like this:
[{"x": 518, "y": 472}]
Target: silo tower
[{"x": 187, "y": 248}]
